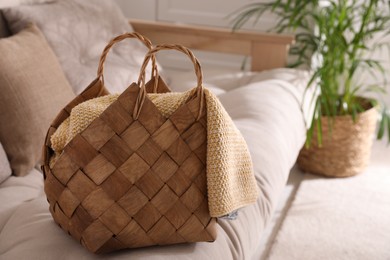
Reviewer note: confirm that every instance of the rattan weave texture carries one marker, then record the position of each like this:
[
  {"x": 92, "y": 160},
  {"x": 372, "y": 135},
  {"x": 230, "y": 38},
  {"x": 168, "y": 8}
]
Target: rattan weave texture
[{"x": 346, "y": 152}]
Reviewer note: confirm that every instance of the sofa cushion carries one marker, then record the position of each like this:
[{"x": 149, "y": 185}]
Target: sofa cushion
[
  {"x": 269, "y": 116},
  {"x": 5, "y": 168},
  {"x": 33, "y": 90},
  {"x": 78, "y": 30}
]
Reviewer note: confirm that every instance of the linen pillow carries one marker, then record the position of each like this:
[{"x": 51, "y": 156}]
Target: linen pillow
[
  {"x": 5, "y": 168},
  {"x": 33, "y": 89},
  {"x": 78, "y": 30}
]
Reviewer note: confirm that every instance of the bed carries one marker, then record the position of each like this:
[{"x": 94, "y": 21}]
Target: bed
[{"x": 265, "y": 104}]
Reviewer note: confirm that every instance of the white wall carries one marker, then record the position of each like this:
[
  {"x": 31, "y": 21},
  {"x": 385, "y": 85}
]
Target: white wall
[
  {"x": 204, "y": 12},
  {"x": 382, "y": 54},
  {"x": 139, "y": 9},
  {"x": 199, "y": 12}
]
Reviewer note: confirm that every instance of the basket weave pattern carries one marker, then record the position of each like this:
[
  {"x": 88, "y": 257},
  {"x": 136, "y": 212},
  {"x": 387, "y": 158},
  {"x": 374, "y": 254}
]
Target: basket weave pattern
[
  {"x": 346, "y": 151},
  {"x": 133, "y": 177}
]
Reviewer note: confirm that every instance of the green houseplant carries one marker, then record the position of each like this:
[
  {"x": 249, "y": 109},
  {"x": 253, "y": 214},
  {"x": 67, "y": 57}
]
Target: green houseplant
[{"x": 335, "y": 40}]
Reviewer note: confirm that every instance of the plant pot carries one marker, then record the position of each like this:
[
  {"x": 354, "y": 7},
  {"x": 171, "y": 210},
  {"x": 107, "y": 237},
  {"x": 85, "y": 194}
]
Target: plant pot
[{"x": 345, "y": 151}]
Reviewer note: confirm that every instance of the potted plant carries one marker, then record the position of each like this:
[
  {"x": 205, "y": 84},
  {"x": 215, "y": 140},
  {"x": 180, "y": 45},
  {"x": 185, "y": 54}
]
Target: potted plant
[{"x": 335, "y": 39}]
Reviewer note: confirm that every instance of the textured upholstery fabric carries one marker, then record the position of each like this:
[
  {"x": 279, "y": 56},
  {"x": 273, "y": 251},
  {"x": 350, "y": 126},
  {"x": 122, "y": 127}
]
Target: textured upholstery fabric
[
  {"x": 93, "y": 24},
  {"x": 33, "y": 89}
]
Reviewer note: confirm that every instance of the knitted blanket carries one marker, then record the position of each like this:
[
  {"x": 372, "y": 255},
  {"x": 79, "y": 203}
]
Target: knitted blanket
[{"x": 230, "y": 179}]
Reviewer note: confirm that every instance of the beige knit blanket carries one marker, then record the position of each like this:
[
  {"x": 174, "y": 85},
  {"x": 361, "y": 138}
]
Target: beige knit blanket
[{"x": 230, "y": 180}]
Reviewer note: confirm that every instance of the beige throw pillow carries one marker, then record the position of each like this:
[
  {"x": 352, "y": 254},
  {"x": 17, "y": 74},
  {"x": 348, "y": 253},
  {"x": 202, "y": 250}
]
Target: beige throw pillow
[
  {"x": 78, "y": 31},
  {"x": 33, "y": 89}
]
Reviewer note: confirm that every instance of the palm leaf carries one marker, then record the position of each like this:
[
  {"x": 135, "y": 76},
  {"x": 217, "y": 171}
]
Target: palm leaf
[{"x": 340, "y": 34}]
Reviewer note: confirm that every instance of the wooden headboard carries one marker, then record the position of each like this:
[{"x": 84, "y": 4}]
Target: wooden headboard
[{"x": 268, "y": 51}]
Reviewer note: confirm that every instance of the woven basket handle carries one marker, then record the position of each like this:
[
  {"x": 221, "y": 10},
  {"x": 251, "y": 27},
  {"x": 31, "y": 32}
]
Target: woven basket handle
[
  {"x": 118, "y": 39},
  {"x": 198, "y": 91}
]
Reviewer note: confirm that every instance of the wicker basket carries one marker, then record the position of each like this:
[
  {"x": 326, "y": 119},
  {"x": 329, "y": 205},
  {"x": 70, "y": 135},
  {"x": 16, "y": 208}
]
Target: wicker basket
[
  {"x": 346, "y": 151},
  {"x": 133, "y": 178}
]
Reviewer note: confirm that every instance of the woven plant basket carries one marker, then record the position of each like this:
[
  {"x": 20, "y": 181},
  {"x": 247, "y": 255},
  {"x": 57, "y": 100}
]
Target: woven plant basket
[
  {"x": 133, "y": 178},
  {"x": 346, "y": 151}
]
